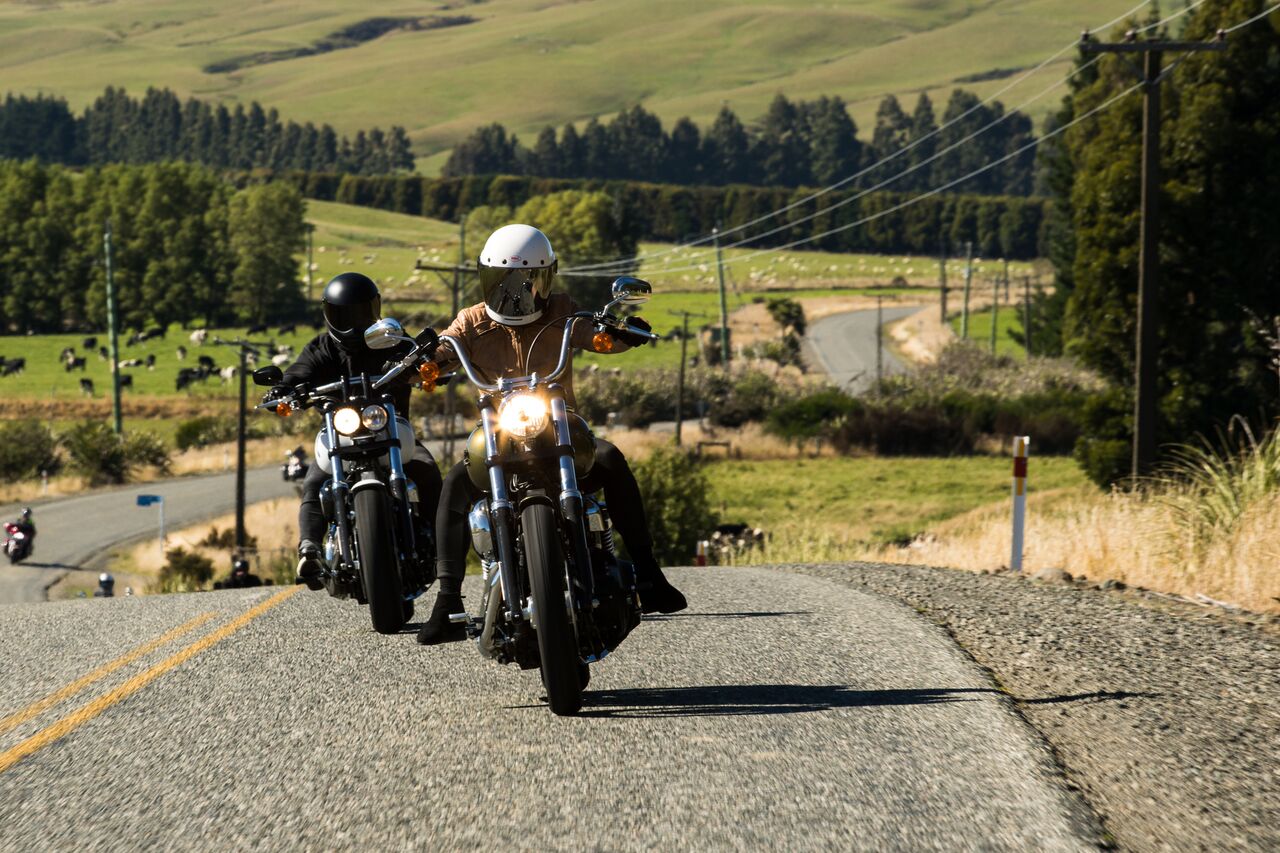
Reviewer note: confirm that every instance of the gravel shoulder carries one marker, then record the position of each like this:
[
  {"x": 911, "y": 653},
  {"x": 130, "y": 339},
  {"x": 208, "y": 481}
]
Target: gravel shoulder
[{"x": 1164, "y": 717}]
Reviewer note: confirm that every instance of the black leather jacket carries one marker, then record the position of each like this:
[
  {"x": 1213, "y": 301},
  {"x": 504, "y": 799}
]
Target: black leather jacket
[{"x": 324, "y": 360}]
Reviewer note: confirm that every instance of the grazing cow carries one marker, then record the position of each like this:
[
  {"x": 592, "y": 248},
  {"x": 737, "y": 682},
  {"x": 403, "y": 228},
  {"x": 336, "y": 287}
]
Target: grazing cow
[
  {"x": 182, "y": 353},
  {"x": 67, "y": 352},
  {"x": 228, "y": 373},
  {"x": 291, "y": 329},
  {"x": 153, "y": 333},
  {"x": 256, "y": 329},
  {"x": 12, "y": 366},
  {"x": 251, "y": 358},
  {"x": 150, "y": 361},
  {"x": 86, "y": 387},
  {"x": 206, "y": 361},
  {"x": 199, "y": 336},
  {"x": 103, "y": 354},
  {"x": 90, "y": 343},
  {"x": 135, "y": 338},
  {"x": 131, "y": 362},
  {"x": 126, "y": 380},
  {"x": 74, "y": 363},
  {"x": 281, "y": 360},
  {"x": 185, "y": 377}
]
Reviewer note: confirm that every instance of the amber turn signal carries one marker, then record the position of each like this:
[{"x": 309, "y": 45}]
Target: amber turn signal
[
  {"x": 602, "y": 342},
  {"x": 284, "y": 410},
  {"x": 429, "y": 373}
]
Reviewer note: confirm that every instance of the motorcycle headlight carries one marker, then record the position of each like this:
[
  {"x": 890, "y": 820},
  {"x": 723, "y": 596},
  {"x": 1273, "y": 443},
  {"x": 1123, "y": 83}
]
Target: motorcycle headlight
[
  {"x": 374, "y": 418},
  {"x": 523, "y": 415},
  {"x": 346, "y": 421}
]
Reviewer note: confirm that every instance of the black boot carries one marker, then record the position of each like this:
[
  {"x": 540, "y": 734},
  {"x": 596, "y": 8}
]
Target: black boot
[
  {"x": 309, "y": 567},
  {"x": 657, "y": 595},
  {"x": 438, "y": 628}
]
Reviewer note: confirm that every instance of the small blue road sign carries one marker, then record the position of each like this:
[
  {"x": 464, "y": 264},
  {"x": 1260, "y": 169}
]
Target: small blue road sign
[{"x": 148, "y": 500}]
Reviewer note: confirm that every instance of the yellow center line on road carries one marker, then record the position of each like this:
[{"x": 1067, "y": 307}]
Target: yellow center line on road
[
  {"x": 40, "y": 706},
  {"x": 87, "y": 712}
]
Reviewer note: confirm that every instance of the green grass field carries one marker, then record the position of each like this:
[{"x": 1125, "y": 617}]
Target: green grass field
[
  {"x": 527, "y": 63},
  {"x": 870, "y": 500},
  {"x": 980, "y": 330}
]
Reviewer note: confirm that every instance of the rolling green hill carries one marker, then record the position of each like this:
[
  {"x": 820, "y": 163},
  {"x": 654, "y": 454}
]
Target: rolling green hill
[{"x": 442, "y": 69}]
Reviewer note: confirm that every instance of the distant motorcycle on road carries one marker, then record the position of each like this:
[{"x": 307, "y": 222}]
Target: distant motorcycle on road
[
  {"x": 295, "y": 466},
  {"x": 379, "y": 548},
  {"x": 17, "y": 544}
]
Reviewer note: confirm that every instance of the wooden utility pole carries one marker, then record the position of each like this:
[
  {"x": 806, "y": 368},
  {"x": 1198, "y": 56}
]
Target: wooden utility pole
[
  {"x": 1145, "y": 362},
  {"x": 113, "y": 332},
  {"x": 995, "y": 312},
  {"x": 724, "y": 305},
  {"x": 942, "y": 281},
  {"x": 879, "y": 340},
  {"x": 684, "y": 348},
  {"x": 968, "y": 284},
  {"x": 1026, "y": 313}
]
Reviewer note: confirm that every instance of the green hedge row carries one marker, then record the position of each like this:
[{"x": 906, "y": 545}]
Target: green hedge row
[{"x": 998, "y": 226}]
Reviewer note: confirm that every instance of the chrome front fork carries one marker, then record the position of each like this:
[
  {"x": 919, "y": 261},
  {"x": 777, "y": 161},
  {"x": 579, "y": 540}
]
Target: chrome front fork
[{"x": 504, "y": 516}]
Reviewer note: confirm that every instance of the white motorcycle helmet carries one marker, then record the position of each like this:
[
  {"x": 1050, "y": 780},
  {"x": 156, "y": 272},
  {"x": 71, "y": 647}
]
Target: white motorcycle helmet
[{"x": 517, "y": 269}]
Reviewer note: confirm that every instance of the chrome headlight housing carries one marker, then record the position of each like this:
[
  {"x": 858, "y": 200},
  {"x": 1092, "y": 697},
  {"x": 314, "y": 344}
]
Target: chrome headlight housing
[
  {"x": 374, "y": 418},
  {"x": 523, "y": 415},
  {"x": 346, "y": 421}
]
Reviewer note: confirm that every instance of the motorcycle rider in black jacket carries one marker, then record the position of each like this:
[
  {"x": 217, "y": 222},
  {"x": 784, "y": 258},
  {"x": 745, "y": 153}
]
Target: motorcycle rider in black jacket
[{"x": 351, "y": 304}]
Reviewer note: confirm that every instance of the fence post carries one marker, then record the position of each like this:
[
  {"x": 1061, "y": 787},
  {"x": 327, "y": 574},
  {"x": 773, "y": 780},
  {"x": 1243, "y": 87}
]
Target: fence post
[{"x": 1020, "y": 443}]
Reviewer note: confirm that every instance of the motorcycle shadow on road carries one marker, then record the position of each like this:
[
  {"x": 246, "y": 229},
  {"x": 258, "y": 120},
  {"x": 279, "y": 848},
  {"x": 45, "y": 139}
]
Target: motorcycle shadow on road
[
  {"x": 764, "y": 699},
  {"x": 757, "y": 699},
  {"x": 29, "y": 564},
  {"x": 748, "y": 614}
]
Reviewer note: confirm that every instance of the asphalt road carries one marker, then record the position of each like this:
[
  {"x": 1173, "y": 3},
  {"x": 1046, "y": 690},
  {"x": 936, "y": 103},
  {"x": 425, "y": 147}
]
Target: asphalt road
[
  {"x": 781, "y": 711},
  {"x": 845, "y": 346},
  {"x": 72, "y": 531}
]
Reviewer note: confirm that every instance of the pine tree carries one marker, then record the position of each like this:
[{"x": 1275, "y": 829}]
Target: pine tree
[
  {"x": 573, "y": 155},
  {"x": 683, "y": 164},
  {"x": 923, "y": 139},
  {"x": 545, "y": 157},
  {"x": 726, "y": 148},
  {"x": 782, "y": 154},
  {"x": 836, "y": 151}
]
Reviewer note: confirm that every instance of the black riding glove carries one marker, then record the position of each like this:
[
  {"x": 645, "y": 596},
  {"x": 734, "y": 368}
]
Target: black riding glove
[
  {"x": 276, "y": 392},
  {"x": 630, "y": 338}
]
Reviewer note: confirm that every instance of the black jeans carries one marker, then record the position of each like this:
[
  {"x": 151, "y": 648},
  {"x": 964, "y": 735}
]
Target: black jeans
[
  {"x": 311, "y": 522},
  {"x": 610, "y": 472}
]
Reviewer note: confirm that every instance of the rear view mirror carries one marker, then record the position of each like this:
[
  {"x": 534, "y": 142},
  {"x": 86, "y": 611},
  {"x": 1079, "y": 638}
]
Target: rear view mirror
[
  {"x": 269, "y": 375},
  {"x": 631, "y": 291},
  {"x": 384, "y": 334}
]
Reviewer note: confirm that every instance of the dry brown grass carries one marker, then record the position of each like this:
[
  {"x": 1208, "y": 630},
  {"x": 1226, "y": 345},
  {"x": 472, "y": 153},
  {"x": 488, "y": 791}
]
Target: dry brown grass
[
  {"x": 1132, "y": 538},
  {"x": 750, "y": 442},
  {"x": 274, "y": 523}
]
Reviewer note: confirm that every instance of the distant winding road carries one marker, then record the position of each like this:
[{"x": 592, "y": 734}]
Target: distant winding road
[
  {"x": 72, "y": 531},
  {"x": 845, "y": 346}
]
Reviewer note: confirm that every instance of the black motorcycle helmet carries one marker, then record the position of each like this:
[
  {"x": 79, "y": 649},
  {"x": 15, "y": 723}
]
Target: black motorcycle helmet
[
  {"x": 351, "y": 304},
  {"x": 26, "y": 513}
]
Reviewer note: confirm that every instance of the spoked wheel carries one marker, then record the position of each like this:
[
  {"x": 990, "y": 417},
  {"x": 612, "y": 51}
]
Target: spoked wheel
[
  {"x": 557, "y": 644},
  {"x": 378, "y": 571}
]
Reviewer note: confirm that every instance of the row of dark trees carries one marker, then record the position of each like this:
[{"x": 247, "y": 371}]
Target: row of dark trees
[
  {"x": 1219, "y": 299},
  {"x": 998, "y": 226},
  {"x": 158, "y": 127},
  {"x": 801, "y": 143},
  {"x": 187, "y": 247}
]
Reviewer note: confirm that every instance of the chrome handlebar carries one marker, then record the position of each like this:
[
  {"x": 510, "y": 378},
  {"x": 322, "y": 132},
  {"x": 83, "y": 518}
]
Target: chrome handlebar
[{"x": 509, "y": 384}]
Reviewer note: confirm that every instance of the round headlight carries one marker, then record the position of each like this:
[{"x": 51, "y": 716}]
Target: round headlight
[
  {"x": 346, "y": 421},
  {"x": 374, "y": 418},
  {"x": 523, "y": 415}
]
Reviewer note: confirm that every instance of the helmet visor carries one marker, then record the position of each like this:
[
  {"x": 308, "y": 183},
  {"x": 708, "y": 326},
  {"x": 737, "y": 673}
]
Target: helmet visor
[
  {"x": 348, "y": 322},
  {"x": 516, "y": 292}
]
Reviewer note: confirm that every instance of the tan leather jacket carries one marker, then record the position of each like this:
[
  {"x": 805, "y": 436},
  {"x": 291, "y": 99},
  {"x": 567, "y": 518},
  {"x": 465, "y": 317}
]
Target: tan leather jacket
[{"x": 498, "y": 351}]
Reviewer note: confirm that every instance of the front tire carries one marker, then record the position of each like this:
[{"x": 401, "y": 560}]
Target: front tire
[
  {"x": 557, "y": 645},
  {"x": 378, "y": 570}
]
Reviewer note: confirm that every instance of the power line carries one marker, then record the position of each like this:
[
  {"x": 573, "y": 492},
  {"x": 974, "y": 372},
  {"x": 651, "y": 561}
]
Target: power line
[
  {"x": 846, "y": 180},
  {"x": 884, "y": 183},
  {"x": 1253, "y": 20},
  {"x": 917, "y": 199}
]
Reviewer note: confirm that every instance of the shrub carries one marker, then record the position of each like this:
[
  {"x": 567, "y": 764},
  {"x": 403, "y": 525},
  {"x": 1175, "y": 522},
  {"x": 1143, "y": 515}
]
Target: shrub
[
  {"x": 812, "y": 416},
  {"x": 184, "y": 571},
  {"x": 103, "y": 457},
  {"x": 677, "y": 502},
  {"x": 216, "y": 538},
  {"x": 27, "y": 447},
  {"x": 205, "y": 430}
]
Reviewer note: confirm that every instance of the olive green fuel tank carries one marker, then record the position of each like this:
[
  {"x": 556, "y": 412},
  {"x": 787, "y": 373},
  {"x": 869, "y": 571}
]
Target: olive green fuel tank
[{"x": 584, "y": 450}]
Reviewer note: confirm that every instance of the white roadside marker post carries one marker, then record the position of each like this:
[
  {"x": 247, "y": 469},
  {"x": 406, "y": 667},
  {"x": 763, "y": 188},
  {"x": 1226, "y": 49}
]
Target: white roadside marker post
[{"x": 1019, "y": 499}]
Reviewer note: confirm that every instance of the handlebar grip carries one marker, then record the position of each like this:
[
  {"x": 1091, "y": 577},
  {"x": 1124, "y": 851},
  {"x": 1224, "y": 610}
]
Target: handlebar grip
[{"x": 427, "y": 339}]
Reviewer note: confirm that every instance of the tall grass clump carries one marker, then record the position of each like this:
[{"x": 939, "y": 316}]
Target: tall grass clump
[{"x": 1210, "y": 488}]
